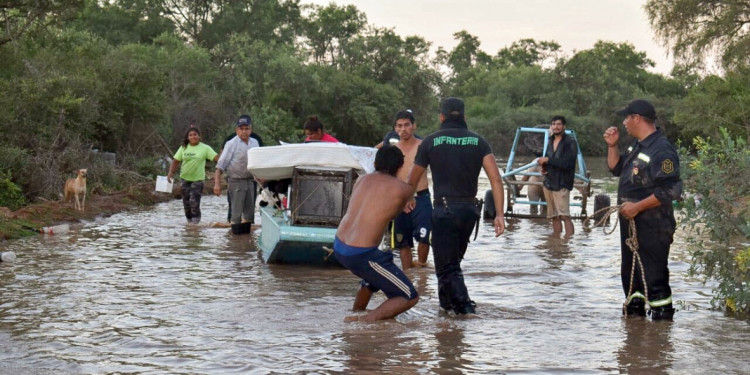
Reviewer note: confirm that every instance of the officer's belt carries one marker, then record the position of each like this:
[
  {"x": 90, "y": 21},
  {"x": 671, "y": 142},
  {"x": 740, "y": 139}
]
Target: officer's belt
[{"x": 445, "y": 200}]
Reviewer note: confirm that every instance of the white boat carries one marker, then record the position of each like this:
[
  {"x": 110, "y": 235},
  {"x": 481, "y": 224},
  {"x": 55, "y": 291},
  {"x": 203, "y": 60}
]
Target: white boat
[{"x": 322, "y": 176}]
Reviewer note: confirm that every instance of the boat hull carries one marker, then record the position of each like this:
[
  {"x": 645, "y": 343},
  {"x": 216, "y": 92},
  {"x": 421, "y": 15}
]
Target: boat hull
[{"x": 292, "y": 244}]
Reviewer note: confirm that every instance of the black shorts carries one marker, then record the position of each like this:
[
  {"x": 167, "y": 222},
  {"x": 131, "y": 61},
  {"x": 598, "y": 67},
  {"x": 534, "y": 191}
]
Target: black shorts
[{"x": 417, "y": 224}]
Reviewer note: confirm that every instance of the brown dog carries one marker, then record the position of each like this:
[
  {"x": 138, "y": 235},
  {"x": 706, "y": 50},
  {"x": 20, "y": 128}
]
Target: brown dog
[{"x": 75, "y": 187}]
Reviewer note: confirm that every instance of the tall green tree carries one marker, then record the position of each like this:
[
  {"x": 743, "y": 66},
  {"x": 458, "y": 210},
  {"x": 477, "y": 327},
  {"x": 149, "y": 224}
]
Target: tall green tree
[
  {"x": 124, "y": 21},
  {"x": 696, "y": 29},
  {"x": 329, "y": 29},
  {"x": 528, "y": 52},
  {"x": 602, "y": 78},
  {"x": 466, "y": 53},
  {"x": 20, "y": 17},
  {"x": 717, "y": 102}
]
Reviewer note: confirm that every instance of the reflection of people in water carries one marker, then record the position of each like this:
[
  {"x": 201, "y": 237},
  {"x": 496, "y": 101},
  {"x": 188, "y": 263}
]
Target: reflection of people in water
[
  {"x": 647, "y": 348},
  {"x": 555, "y": 250},
  {"x": 450, "y": 350},
  {"x": 361, "y": 230}
]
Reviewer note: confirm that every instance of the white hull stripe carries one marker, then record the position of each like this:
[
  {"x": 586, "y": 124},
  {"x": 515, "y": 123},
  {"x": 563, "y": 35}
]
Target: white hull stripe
[{"x": 391, "y": 277}]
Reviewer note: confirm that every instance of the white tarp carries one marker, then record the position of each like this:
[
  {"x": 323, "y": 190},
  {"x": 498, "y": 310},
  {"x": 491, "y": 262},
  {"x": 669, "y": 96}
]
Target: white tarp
[{"x": 277, "y": 162}]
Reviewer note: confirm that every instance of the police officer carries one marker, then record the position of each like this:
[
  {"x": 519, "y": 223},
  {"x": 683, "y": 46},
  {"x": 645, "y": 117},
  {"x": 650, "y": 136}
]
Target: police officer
[
  {"x": 649, "y": 172},
  {"x": 455, "y": 155}
]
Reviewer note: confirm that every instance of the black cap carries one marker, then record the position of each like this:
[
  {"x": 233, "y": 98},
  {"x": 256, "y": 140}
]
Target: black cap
[
  {"x": 452, "y": 107},
  {"x": 639, "y": 107},
  {"x": 244, "y": 120}
]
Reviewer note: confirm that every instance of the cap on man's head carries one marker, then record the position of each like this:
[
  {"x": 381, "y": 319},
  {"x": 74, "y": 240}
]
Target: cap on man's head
[
  {"x": 452, "y": 107},
  {"x": 639, "y": 107},
  {"x": 244, "y": 120}
]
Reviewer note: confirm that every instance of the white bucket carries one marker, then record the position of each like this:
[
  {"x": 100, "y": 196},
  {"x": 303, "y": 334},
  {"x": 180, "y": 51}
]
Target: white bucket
[{"x": 162, "y": 185}]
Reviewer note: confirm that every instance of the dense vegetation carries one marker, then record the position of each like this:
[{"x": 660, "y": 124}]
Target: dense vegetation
[{"x": 84, "y": 79}]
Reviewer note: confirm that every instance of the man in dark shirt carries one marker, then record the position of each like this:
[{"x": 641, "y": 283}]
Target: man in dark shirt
[
  {"x": 649, "y": 172},
  {"x": 455, "y": 156},
  {"x": 560, "y": 165}
]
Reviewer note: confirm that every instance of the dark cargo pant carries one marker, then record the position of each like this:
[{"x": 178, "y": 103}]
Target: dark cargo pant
[
  {"x": 451, "y": 230},
  {"x": 191, "y": 200},
  {"x": 655, "y": 233}
]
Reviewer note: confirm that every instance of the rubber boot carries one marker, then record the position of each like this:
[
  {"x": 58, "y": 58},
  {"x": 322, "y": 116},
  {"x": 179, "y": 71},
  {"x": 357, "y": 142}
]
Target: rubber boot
[
  {"x": 665, "y": 312},
  {"x": 469, "y": 308},
  {"x": 635, "y": 307}
]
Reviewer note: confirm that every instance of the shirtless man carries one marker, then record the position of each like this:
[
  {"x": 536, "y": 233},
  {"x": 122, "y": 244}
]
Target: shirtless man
[
  {"x": 360, "y": 233},
  {"x": 417, "y": 223}
]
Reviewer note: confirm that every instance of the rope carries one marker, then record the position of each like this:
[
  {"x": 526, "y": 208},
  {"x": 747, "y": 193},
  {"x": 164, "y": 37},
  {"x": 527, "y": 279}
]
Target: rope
[
  {"x": 294, "y": 213},
  {"x": 631, "y": 242},
  {"x": 329, "y": 252},
  {"x": 312, "y": 192}
]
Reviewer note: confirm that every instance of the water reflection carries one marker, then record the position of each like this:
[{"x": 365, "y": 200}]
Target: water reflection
[
  {"x": 647, "y": 348},
  {"x": 143, "y": 293},
  {"x": 555, "y": 249},
  {"x": 451, "y": 348}
]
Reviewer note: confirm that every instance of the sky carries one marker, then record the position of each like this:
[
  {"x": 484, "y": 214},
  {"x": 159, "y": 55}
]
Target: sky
[{"x": 574, "y": 24}]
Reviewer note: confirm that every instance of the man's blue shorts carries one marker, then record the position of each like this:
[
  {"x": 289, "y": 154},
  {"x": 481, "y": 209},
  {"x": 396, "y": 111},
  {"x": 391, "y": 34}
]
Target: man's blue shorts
[
  {"x": 417, "y": 224},
  {"x": 376, "y": 268}
]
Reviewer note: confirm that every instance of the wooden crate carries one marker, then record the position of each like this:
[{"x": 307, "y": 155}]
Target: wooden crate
[{"x": 320, "y": 195}]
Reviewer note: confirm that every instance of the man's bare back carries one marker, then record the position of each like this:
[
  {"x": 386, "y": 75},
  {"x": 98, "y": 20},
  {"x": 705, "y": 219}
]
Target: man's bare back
[{"x": 376, "y": 199}]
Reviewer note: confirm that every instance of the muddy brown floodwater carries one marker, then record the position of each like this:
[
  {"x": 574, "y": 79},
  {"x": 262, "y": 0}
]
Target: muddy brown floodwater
[{"x": 141, "y": 292}]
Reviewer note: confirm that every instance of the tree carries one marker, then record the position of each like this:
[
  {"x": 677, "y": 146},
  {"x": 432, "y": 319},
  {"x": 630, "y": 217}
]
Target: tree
[
  {"x": 466, "y": 53},
  {"x": 717, "y": 102},
  {"x": 329, "y": 29},
  {"x": 264, "y": 20},
  {"x": 124, "y": 21},
  {"x": 19, "y": 17},
  {"x": 527, "y": 52},
  {"x": 695, "y": 29},
  {"x": 602, "y": 78}
]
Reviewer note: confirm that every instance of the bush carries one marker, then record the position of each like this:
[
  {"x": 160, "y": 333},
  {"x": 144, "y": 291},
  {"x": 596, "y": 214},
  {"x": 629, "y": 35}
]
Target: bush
[
  {"x": 11, "y": 195},
  {"x": 14, "y": 160},
  {"x": 719, "y": 219}
]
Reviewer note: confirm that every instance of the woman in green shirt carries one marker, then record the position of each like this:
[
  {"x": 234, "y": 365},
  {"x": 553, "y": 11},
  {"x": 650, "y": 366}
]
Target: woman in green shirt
[{"x": 193, "y": 153}]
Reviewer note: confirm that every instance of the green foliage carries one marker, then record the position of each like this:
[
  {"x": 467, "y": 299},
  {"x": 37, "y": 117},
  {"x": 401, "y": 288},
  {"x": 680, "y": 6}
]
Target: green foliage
[
  {"x": 275, "y": 125},
  {"x": 697, "y": 29},
  {"x": 717, "y": 101},
  {"x": 17, "y": 228},
  {"x": 20, "y": 18},
  {"x": 14, "y": 161},
  {"x": 328, "y": 31},
  {"x": 122, "y": 22},
  {"x": 11, "y": 195},
  {"x": 528, "y": 52},
  {"x": 717, "y": 173}
]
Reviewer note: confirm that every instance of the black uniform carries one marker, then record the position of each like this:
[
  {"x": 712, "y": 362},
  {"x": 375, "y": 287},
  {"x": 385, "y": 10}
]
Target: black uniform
[
  {"x": 649, "y": 167},
  {"x": 454, "y": 154}
]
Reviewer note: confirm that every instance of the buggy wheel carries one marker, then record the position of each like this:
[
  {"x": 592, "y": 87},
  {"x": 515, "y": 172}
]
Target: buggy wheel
[
  {"x": 601, "y": 201},
  {"x": 489, "y": 206}
]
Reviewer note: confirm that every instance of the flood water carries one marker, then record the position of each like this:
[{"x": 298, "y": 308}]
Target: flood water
[{"x": 142, "y": 292}]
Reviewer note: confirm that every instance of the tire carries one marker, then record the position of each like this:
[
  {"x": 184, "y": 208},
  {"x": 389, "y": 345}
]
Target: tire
[
  {"x": 601, "y": 201},
  {"x": 489, "y": 206}
]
